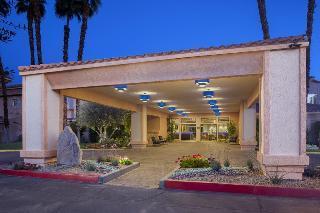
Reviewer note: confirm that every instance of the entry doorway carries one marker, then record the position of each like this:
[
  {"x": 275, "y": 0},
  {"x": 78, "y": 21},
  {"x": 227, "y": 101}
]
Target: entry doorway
[
  {"x": 209, "y": 132},
  {"x": 188, "y": 132}
]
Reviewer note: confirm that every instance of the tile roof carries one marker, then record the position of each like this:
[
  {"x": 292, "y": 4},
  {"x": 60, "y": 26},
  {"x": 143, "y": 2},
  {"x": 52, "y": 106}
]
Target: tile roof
[{"x": 273, "y": 41}]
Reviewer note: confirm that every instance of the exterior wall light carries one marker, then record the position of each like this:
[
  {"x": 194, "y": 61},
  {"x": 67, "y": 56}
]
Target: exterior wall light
[
  {"x": 161, "y": 104},
  {"x": 171, "y": 109},
  {"x": 144, "y": 98},
  {"x": 212, "y": 102},
  {"x": 208, "y": 94},
  {"x": 202, "y": 82},
  {"x": 121, "y": 88}
]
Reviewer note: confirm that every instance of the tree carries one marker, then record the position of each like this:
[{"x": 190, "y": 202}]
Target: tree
[
  {"x": 39, "y": 11},
  {"x": 310, "y": 13},
  {"x": 105, "y": 121},
  {"x": 4, "y": 74},
  {"x": 67, "y": 9},
  {"x": 87, "y": 9},
  {"x": 4, "y": 8},
  {"x": 263, "y": 18},
  {"x": 26, "y": 6}
]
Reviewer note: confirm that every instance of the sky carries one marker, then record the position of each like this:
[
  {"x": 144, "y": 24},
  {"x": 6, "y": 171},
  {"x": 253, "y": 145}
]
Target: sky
[{"x": 132, "y": 27}]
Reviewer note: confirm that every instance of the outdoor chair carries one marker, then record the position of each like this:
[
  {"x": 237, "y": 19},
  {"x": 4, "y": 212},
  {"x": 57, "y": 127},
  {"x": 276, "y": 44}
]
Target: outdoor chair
[
  {"x": 154, "y": 140},
  {"x": 162, "y": 140}
]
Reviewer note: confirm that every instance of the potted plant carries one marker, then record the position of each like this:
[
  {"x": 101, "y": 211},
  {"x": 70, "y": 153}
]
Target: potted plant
[{"x": 232, "y": 132}]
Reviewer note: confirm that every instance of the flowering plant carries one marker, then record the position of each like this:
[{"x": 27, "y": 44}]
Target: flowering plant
[{"x": 193, "y": 161}]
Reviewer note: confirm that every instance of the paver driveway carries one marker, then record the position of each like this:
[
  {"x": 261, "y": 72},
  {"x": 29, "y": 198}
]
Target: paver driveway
[{"x": 156, "y": 162}]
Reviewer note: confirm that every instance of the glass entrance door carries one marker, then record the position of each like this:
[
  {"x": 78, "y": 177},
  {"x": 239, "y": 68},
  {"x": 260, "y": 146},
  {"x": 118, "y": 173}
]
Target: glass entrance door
[
  {"x": 188, "y": 132},
  {"x": 209, "y": 132},
  {"x": 222, "y": 132}
]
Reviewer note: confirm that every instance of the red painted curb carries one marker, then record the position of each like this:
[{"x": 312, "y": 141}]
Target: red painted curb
[
  {"x": 244, "y": 189},
  {"x": 47, "y": 175}
]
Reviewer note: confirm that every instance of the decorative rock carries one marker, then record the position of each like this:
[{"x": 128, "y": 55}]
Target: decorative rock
[{"x": 68, "y": 150}]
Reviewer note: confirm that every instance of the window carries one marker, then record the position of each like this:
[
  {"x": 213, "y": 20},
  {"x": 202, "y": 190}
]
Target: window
[{"x": 312, "y": 99}]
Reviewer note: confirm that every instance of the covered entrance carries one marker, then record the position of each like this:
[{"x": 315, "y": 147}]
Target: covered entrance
[{"x": 202, "y": 91}]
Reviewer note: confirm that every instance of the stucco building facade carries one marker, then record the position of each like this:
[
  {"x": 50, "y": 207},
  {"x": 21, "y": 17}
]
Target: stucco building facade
[{"x": 182, "y": 85}]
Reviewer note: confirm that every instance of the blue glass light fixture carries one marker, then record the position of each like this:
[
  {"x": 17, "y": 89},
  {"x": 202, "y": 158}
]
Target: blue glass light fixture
[
  {"x": 212, "y": 102},
  {"x": 144, "y": 98},
  {"x": 217, "y": 113},
  {"x": 161, "y": 104},
  {"x": 121, "y": 87},
  {"x": 179, "y": 112},
  {"x": 202, "y": 82},
  {"x": 171, "y": 109},
  {"x": 208, "y": 94},
  {"x": 214, "y": 107}
]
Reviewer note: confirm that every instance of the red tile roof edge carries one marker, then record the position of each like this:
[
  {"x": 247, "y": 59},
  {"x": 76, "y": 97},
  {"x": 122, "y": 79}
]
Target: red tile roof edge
[{"x": 273, "y": 41}]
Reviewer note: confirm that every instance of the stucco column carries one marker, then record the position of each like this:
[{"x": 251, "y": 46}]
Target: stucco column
[
  {"x": 283, "y": 114},
  {"x": 247, "y": 122},
  {"x": 139, "y": 127},
  {"x": 42, "y": 110}
]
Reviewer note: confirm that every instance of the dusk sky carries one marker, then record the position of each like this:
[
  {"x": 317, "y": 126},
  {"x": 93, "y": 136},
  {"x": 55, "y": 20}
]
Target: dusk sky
[{"x": 128, "y": 27}]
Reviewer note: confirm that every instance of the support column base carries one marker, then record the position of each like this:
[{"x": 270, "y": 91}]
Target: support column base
[
  {"x": 139, "y": 145},
  {"x": 286, "y": 167},
  {"x": 40, "y": 157}
]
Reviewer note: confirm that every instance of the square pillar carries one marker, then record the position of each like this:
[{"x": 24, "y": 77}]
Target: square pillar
[
  {"x": 283, "y": 114},
  {"x": 42, "y": 115},
  {"x": 247, "y": 124},
  {"x": 139, "y": 127}
]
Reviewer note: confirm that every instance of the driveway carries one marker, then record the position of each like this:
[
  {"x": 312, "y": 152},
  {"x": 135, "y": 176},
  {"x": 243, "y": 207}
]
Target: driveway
[
  {"x": 38, "y": 195},
  {"x": 157, "y": 162}
]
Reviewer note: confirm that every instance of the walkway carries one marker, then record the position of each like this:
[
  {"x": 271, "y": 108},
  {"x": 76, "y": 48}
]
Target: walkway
[{"x": 157, "y": 162}]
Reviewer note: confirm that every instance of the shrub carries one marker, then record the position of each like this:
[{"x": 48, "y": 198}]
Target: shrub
[
  {"x": 104, "y": 159},
  {"x": 115, "y": 162},
  {"x": 215, "y": 165},
  {"x": 250, "y": 165},
  {"x": 226, "y": 163},
  {"x": 193, "y": 161},
  {"x": 90, "y": 166},
  {"x": 125, "y": 161}
]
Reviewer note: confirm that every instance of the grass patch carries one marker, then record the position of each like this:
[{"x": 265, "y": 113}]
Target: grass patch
[{"x": 11, "y": 146}]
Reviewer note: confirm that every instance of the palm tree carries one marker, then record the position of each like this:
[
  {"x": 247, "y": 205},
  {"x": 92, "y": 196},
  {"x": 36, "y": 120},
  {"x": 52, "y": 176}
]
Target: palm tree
[
  {"x": 3, "y": 79},
  {"x": 39, "y": 11},
  {"x": 88, "y": 8},
  {"x": 4, "y": 8},
  {"x": 26, "y": 6},
  {"x": 263, "y": 18},
  {"x": 310, "y": 13},
  {"x": 67, "y": 9}
]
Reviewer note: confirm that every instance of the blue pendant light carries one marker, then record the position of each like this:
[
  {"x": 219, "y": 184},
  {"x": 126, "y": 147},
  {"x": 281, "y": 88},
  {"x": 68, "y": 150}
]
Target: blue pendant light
[
  {"x": 144, "y": 98},
  {"x": 214, "y": 107},
  {"x": 171, "y": 109},
  {"x": 212, "y": 102},
  {"x": 208, "y": 94},
  {"x": 179, "y": 112},
  {"x": 217, "y": 113},
  {"x": 202, "y": 82},
  {"x": 121, "y": 87},
  {"x": 161, "y": 104}
]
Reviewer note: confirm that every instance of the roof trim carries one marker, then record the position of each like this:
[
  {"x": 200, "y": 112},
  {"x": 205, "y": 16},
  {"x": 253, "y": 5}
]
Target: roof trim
[{"x": 262, "y": 45}]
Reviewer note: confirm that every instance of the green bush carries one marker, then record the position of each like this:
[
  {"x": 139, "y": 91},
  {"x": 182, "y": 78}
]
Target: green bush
[
  {"x": 194, "y": 163},
  {"x": 125, "y": 161},
  {"x": 215, "y": 165},
  {"x": 115, "y": 163},
  {"x": 226, "y": 163},
  {"x": 250, "y": 165},
  {"x": 90, "y": 166}
]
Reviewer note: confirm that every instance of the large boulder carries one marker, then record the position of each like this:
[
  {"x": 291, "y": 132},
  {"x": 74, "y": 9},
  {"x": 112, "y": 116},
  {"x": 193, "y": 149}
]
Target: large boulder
[{"x": 68, "y": 150}]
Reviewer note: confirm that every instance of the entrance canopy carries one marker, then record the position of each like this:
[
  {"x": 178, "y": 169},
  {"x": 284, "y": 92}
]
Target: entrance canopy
[{"x": 271, "y": 72}]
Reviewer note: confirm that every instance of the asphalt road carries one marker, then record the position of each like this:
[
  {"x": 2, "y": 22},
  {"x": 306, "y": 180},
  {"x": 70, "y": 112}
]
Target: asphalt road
[{"x": 25, "y": 195}]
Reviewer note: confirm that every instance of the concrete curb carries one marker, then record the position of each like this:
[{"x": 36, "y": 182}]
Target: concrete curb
[
  {"x": 165, "y": 178},
  {"x": 71, "y": 177},
  {"x": 115, "y": 174},
  {"x": 242, "y": 188}
]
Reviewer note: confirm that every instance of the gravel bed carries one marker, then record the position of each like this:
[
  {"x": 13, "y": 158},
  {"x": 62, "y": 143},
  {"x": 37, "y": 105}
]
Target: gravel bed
[{"x": 239, "y": 176}]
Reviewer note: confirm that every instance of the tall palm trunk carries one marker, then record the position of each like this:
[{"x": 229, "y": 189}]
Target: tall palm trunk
[
  {"x": 66, "y": 40},
  {"x": 311, "y": 6},
  {"x": 65, "y": 59},
  {"x": 263, "y": 18},
  {"x": 5, "y": 103},
  {"x": 38, "y": 39},
  {"x": 31, "y": 39}
]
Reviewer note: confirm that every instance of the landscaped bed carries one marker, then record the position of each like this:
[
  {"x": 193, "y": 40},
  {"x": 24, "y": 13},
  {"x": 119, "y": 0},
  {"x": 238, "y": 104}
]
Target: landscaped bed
[
  {"x": 196, "y": 172},
  {"x": 100, "y": 171}
]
